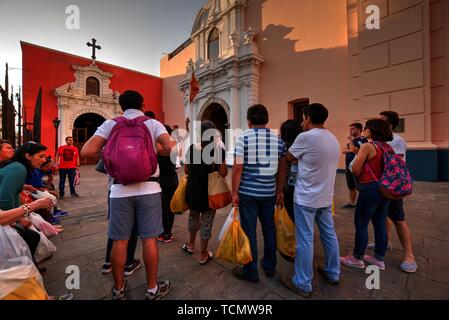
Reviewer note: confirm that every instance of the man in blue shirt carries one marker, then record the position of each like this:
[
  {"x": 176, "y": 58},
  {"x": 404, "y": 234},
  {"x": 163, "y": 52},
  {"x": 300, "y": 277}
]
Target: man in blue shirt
[{"x": 257, "y": 186}]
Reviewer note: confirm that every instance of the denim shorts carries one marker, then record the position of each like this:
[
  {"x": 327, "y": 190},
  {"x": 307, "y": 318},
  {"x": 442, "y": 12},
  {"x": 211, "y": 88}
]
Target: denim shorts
[{"x": 145, "y": 211}]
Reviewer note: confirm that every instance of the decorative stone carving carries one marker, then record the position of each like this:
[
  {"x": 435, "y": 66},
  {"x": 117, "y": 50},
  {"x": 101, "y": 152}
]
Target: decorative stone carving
[{"x": 249, "y": 35}]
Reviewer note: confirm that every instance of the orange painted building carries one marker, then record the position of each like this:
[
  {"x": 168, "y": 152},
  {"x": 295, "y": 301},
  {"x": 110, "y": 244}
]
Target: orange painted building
[
  {"x": 81, "y": 94},
  {"x": 286, "y": 54}
]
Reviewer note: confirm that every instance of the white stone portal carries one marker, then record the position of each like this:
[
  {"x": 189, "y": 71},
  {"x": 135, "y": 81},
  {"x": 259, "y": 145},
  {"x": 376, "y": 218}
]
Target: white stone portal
[
  {"x": 74, "y": 102},
  {"x": 232, "y": 79}
]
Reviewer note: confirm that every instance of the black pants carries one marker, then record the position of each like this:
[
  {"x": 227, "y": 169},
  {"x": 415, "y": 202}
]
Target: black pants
[
  {"x": 132, "y": 244},
  {"x": 289, "y": 194},
  {"x": 168, "y": 217},
  {"x": 31, "y": 238},
  {"x": 62, "y": 177}
]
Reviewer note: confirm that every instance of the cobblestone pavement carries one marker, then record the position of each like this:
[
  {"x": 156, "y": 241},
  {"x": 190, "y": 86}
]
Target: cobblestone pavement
[{"x": 84, "y": 240}]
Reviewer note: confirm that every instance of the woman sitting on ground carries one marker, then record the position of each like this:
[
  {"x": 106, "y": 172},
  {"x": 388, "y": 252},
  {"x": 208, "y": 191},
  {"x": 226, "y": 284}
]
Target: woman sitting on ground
[{"x": 13, "y": 174}]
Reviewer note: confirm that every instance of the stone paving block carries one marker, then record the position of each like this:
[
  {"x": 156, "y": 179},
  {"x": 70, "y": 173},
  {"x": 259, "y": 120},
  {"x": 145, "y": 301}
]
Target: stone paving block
[{"x": 427, "y": 289}]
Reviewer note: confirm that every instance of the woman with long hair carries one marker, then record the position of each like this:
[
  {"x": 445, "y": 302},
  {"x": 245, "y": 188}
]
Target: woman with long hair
[
  {"x": 13, "y": 174},
  {"x": 371, "y": 204},
  {"x": 201, "y": 160}
]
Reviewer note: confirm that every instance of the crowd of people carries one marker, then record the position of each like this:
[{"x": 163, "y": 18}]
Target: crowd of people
[{"x": 295, "y": 169}]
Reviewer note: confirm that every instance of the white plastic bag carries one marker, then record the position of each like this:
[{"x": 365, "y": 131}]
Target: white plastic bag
[
  {"x": 47, "y": 229},
  {"x": 45, "y": 248},
  {"x": 12, "y": 244},
  {"x": 44, "y": 195},
  {"x": 20, "y": 280},
  {"x": 227, "y": 224}
]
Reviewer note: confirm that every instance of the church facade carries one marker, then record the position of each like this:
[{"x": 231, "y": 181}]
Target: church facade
[
  {"x": 80, "y": 93},
  {"x": 290, "y": 53}
]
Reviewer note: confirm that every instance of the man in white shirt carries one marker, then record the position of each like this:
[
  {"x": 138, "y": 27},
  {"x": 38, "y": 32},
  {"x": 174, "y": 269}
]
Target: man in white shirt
[
  {"x": 318, "y": 153},
  {"x": 396, "y": 212},
  {"x": 136, "y": 205}
]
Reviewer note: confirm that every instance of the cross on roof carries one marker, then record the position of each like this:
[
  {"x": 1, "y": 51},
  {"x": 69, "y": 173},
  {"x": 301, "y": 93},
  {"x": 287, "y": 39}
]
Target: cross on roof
[{"x": 94, "y": 47}]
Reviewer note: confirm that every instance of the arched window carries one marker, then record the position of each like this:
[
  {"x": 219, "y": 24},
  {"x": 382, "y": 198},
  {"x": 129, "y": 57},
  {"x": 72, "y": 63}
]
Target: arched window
[
  {"x": 213, "y": 44},
  {"x": 92, "y": 86}
]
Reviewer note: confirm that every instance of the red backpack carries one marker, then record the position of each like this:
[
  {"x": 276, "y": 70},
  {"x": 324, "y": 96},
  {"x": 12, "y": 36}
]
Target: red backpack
[{"x": 129, "y": 155}]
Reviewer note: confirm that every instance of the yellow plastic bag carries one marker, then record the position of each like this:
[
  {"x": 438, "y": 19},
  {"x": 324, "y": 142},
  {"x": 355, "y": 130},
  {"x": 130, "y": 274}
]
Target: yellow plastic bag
[
  {"x": 20, "y": 280},
  {"x": 285, "y": 232},
  {"x": 235, "y": 247},
  {"x": 178, "y": 202}
]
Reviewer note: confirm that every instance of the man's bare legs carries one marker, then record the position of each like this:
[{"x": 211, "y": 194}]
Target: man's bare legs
[
  {"x": 151, "y": 259},
  {"x": 118, "y": 260}
]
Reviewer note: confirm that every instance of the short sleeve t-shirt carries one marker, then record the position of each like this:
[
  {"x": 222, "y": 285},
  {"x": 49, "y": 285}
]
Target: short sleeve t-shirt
[
  {"x": 36, "y": 178},
  {"x": 399, "y": 145},
  {"x": 199, "y": 166},
  {"x": 358, "y": 144},
  {"x": 318, "y": 154},
  {"x": 143, "y": 188},
  {"x": 68, "y": 156},
  {"x": 260, "y": 150}
]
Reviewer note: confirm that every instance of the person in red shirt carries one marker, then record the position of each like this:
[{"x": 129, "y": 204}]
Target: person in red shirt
[{"x": 68, "y": 161}]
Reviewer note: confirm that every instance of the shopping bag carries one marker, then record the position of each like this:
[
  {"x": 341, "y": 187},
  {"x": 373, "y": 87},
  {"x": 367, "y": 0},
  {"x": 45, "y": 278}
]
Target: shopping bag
[
  {"x": 227, "y": 223},
  {"x": 235, "y": 247},
  {"x": 12, "y": 244},
  {"x": 45, "y": 249},
  {"x": 38, "y": 194},
  {"x": 285, "y": 232},
  {"x": 219, "y": 192},
  {"x": 20, "y": 280},
  {"x": 47, "y": 229},
  {"x": 77, "y": 181},
  {"x": 178, "y": 202}
]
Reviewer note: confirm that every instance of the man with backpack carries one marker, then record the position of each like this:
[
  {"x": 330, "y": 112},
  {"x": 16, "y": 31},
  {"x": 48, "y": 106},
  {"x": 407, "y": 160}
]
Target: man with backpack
[
  {"x": 130, "y": 155},
  {"x": 396, "y": 212}
]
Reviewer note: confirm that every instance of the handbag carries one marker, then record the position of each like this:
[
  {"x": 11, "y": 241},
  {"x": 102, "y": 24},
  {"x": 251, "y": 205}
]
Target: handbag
[{"x": 219, "y": 193}]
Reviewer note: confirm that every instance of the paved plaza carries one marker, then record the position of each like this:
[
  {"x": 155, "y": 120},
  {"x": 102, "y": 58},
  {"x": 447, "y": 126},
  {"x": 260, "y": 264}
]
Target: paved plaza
[{"x": 84, "y": 240}]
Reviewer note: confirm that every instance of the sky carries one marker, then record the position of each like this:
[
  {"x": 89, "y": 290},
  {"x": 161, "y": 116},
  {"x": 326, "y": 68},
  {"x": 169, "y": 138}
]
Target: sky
[{"x": 132, "y": 33}]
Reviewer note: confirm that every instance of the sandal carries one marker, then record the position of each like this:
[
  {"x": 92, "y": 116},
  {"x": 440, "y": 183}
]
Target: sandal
[
  {"x": 185, "y": 248},
  {"x": 210, "y": 256}
]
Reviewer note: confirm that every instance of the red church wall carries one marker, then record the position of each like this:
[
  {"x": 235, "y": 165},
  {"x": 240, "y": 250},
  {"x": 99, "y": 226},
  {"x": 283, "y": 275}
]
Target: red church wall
[{"x": 50, "y": 69}]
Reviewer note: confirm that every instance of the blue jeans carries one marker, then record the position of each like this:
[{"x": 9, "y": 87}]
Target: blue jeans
[
  {"x": 304, "y": 222},
  {"x": 371, "y": 206},
  {"x": 250, "y": 208},
  {"x": 62, "y": 176}
]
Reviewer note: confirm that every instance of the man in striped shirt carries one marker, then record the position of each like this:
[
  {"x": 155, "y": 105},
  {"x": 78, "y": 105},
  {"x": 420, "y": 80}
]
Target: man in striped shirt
[{"x": 257, "y": 186}]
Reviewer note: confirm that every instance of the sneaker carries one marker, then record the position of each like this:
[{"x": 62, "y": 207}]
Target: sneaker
[
  {"x": 106, "y": 268},
  {"x": 352, "y": 262},
  {"x": 55, "y": 221},
  {"x": 76, "y": 195},
  {"x": 161, "y": 238},
  {"x": 325, "y": 276},
  {"x": 129, "y": 270},
  {"x": 67, "y": 296},
  {"x": 372, "y": 246},
  {"x": 239, "y": 274},
  {"x": 349, "y": 206},
  {"x": 287, "y": 282},
  {"x": 373, "y": 261},
  {"x": 163, "y": 289},
  {"x": 409, "y": 267},
  {"x": 60, "y": 213},
  {"x": 120, "y": 295},
  {"x": 169, "y": 239}
]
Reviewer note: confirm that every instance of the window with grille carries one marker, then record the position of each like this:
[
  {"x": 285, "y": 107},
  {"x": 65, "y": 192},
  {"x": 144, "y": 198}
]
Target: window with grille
[
  {"x": 92, "y": 86},
  {"x": 214, "y": 44}
]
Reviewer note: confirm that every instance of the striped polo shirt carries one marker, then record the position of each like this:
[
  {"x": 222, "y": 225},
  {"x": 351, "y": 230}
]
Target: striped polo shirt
[{"x": 260, "y": 150}]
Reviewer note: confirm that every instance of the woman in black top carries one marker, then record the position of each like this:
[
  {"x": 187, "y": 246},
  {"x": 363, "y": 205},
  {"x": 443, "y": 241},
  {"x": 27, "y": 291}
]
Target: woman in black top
[
  {"x": 290, "y": 130},
  {"x": 201, "y": 160},
  {"x": 169, "y": 183}
]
